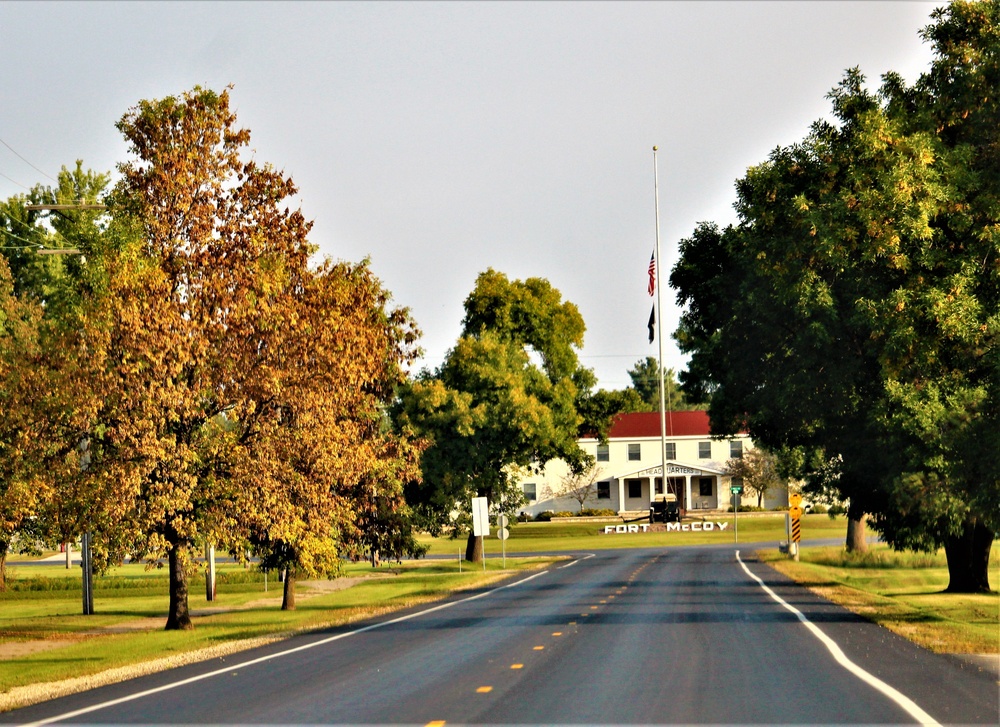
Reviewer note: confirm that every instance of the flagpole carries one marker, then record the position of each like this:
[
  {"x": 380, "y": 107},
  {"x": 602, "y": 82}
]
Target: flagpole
[{"x": 659, "y": 331}]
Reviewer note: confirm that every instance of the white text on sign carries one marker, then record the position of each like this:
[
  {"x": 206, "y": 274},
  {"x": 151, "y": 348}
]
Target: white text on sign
[{"x": 671, "y": 527}]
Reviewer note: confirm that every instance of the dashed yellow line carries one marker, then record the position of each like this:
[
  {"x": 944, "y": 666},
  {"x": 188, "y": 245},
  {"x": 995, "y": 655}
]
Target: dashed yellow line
[
  {"x": 484, "y": 690},
  {"x": 538, "y": 648},
  {"x": 436, "y": 723},
  {"x": 557, "y": 633},
  {"x": 517, "y": 666}
]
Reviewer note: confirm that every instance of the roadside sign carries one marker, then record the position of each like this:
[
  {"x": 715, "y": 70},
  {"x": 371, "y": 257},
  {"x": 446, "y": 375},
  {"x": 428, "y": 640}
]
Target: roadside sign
[
  {"x": 795, "y": 512},
  {"x": 502, "y": 521},
  {"x": 736, "y": 489},
  {"x": 503, "y": 533},
  {"x": 480, "y": 517},
  {"x": 794, "y": 500}
]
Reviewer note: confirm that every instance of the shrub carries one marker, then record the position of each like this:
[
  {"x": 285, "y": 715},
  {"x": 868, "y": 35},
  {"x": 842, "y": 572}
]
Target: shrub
[
  {"x": 818, "y": 509},
  {"x": 599, "y": 512}
]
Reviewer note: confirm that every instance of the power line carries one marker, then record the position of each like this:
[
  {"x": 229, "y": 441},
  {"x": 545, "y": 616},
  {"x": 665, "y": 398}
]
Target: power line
[
  {"x": 27, "y": 162},
  {"x": 14, "y": 181}
]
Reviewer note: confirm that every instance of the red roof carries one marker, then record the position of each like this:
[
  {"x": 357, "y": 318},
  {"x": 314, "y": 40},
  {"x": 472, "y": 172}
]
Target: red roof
[{"x": 647, "y": 424}]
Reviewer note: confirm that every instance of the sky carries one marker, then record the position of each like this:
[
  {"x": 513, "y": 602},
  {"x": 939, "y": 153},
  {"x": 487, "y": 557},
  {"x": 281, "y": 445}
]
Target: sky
[{"x": 441, "y": 139}]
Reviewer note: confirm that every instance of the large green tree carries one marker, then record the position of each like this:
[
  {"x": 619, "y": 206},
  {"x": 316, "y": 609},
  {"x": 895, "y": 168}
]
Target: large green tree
[
  {"x": 504, "y": 399},
  {"x": 854, "y": 310}
]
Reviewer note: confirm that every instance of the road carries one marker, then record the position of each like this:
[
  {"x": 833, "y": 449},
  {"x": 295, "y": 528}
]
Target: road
[{"x": 668, "y": 636}]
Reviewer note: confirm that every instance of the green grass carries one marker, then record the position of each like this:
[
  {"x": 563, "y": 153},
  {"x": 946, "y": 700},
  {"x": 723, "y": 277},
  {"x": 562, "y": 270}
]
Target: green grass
[
  {"x": 562, "y": 536},
  {"x": 904, "y": 593},
  {"x": 89, "y": 644}
]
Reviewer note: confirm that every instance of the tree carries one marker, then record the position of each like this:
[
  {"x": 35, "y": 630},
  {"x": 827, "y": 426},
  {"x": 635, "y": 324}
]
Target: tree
[
  {"x": 319, "y": 470},
  {"x": 758, "y": 470},
  {"x": 39, "y": 295},
  {"x": 189, "y": 341},
  {"x": 853, "y": 311},
  {"x": 580, "y": 486},
  {"x": 646, "y": 378},
  {"x": 504, "y": 398}
]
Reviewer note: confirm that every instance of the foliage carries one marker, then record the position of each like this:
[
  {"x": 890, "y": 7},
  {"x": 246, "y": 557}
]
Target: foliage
[
  {"x": 855, "y": 308},
  {"x": 504, "y": 400},
  {"x": 580, "y": 486},
  {"x": 645, "y": 375},
  {"x": 758, "y": 470}
]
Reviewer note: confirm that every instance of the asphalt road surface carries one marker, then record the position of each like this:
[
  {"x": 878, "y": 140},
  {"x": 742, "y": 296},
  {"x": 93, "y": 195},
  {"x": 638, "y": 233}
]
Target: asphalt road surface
[{"x": 665, "y": 636}]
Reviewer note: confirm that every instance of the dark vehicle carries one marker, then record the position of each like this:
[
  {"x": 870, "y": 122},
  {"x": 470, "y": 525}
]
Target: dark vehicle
[{"x": 664, "y": 509}]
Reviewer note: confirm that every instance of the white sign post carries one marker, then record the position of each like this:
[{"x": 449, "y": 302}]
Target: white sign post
[
  {"x": 503, "y": 533},
  {"x": 481, "y": 522}
]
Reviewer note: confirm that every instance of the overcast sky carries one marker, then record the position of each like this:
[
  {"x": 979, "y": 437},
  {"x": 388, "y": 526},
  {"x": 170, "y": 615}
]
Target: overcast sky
[{"x": 441, "y": 139}]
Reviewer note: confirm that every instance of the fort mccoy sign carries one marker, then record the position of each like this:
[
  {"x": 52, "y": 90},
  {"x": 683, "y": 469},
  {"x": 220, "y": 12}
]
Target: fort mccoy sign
[{"x": 695, "y": 527}]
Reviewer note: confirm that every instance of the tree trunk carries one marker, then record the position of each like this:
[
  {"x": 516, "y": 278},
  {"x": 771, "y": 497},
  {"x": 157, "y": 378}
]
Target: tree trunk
[
  {"x": 179, "y": 617},
  {"x": 857, "y": 540},
  {"x": 969, "y": 557},
  {"x": 474, "y": 549},
  {"x": 3, "y": 566},
  {"x": 288, "y": 599}
]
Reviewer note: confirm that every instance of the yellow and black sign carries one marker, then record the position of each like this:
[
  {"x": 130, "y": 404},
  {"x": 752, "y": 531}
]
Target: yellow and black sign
[{"x": 796, "y": 530}]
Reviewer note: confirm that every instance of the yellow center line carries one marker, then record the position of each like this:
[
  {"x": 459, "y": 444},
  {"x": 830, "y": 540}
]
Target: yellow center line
[
  {"x": 557, "y": 633},
  {"x": 436, "y": 723},
  {"x": 539, "y": 648},
  {"x": 484, "y": 690},
  {"x": 517, "y": 666}
]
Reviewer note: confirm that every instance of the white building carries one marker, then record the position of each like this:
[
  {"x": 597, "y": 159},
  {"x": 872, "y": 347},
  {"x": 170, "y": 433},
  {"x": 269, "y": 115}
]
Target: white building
[{"x": 630, "y": 467}]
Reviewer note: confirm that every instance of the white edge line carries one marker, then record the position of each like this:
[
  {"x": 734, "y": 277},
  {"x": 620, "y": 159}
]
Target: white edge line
[
  {"x": 232, "y": 667},
  {"x": 904, "y": 702},
  {"x": 585, "y": 557}
]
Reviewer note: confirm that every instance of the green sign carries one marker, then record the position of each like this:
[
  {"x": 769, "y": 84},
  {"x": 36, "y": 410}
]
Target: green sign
[{"x": 736, "y": 489}]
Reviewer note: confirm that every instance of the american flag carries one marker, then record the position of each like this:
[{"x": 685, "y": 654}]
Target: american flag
[{"x": 651, "y": 288}]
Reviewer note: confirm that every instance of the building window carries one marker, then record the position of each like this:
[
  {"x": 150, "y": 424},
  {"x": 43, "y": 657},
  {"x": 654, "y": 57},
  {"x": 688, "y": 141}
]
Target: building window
[
  {"x": 633, "y": 453},
  {"x": 634, "y": 488},
  {"x": 735, "y": 450},
  {"x": 529, "y": 491},
  {"x": 603, "y": 490},
  {"x": 705, "y": 486},
  {"x": 704, "y": 450},
  {"x": 603, "y": 453},
  {"x": 671, "y": 450}
]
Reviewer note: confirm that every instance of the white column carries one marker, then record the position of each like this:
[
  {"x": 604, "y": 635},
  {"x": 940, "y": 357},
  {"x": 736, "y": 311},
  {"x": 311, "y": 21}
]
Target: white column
[
  {"x": 621, "y": 495},
  {"x": 687, "y": 492}
]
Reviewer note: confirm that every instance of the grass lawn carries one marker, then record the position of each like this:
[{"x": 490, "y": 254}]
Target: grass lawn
[
  {"x": 45, "y": 638},
  {"x": 561, "y": 536},
  {"x": 904, "y": 593}
]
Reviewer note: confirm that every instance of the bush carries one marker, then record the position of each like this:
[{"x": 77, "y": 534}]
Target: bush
[
  {"x": 599, "y": 512},
  {"x": 544, "y": 517},
  {"x": 818, "y": 510},
  {"x": 747, "y": 508}
]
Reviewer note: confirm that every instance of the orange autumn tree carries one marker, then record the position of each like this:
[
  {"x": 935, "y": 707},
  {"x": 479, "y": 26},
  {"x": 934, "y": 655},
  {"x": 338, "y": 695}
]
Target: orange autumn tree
[
  {"x": 211, "y": 242},
  {"x": 223, "y": 371},
  {"x": 311, "y": 428}
]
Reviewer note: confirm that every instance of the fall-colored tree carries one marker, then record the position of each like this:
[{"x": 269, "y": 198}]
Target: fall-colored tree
[
  {"x": 316, "y": 465},
  {"x": 181, "y": 333},
  {"x": 758, "y": 470},
  {"x": 40, "y": 430}
]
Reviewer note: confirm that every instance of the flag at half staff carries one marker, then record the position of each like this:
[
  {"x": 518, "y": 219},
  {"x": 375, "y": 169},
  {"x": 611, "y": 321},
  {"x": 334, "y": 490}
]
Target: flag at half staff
[{"x": 651, "y": 287}]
